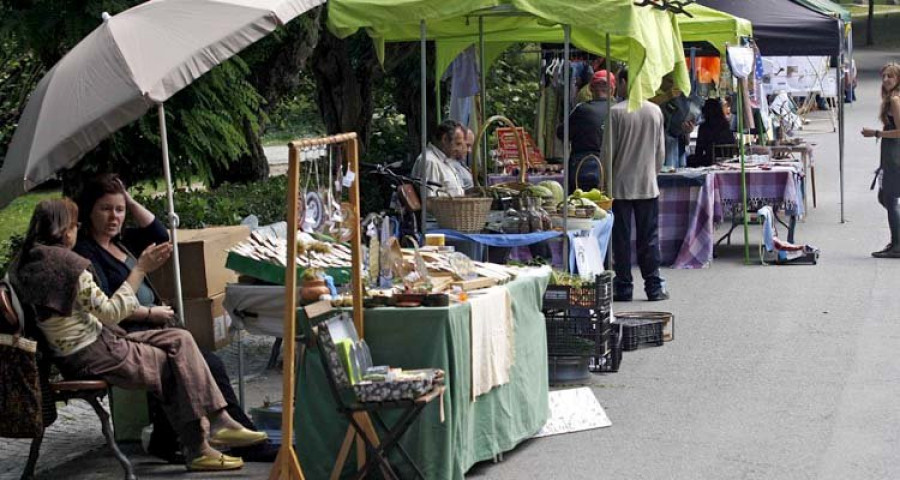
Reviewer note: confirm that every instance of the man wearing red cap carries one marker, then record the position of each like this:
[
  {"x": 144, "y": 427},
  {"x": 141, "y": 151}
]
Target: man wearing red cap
[{"x": 586, "y": 132}]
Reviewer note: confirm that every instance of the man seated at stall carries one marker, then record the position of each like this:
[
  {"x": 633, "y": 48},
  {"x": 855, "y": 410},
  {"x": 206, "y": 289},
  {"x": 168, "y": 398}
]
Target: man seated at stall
[
  {"x": 436, "y": 167},
  {"x": 460, "y": 163}
]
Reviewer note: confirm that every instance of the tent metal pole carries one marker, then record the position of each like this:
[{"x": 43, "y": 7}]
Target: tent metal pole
[
  {"x": 173, "y": 219},
  {"x": 437, "y": 93},
  {"x": 423, "y": 60},
  {"x": 840, "y": 103},
  {"x": 567, "y": 74},
  {"x": 610, "y": 100},
  {"x": 482, "y": 70},
  {"x": 741, "y": 107},
  {"x": 693, "y": 68}
]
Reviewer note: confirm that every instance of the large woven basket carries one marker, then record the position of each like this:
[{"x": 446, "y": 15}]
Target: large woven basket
[{"x": 464, "y": 214}]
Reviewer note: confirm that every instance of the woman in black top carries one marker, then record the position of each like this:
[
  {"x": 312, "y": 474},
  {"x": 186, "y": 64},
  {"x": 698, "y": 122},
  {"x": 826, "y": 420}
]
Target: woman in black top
[
  {"x": 715, "y": 130},
  {"x": 889, "y": 167},
  {"x": 111, "y": 249}
]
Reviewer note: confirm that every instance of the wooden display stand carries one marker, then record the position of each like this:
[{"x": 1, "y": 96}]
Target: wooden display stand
[{"x": 287, "y": 466}]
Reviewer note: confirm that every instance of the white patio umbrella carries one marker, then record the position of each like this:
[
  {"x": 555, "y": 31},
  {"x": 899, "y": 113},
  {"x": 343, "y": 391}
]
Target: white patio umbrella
[{"x": 134, "y": 61}]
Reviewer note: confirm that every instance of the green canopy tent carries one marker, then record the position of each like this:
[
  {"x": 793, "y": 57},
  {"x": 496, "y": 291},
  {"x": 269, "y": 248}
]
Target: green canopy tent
[
  {"x": 713, "y": 26},
  {"x": 705, "y": 24},
  {"x": 647, "y": 39}
]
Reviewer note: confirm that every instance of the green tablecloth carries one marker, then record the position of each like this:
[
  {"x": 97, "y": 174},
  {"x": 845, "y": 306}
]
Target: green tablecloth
[{"x": 439, "y": 338}]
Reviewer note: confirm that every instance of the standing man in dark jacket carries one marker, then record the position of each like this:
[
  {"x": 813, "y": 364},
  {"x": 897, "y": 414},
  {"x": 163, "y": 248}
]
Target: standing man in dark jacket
[{"x": 586, "y": 132}]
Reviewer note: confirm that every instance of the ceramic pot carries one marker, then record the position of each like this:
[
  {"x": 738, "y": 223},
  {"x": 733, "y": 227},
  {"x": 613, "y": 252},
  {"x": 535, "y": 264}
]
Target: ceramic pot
[{"x": 311, "y": 290}]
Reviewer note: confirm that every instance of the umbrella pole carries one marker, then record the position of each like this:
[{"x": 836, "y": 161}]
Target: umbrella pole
[{"x": 173, "y": 219}]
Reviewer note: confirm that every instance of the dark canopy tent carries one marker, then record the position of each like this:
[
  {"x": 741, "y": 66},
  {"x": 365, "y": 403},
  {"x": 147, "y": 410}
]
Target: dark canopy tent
[
  {"x": 782, "y": 27},
  {"x": 794, "y": 27}
]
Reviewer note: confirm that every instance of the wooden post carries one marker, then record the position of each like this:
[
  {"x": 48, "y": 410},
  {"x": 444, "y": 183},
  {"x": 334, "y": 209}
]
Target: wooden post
[{"x": 287, "y": 466}]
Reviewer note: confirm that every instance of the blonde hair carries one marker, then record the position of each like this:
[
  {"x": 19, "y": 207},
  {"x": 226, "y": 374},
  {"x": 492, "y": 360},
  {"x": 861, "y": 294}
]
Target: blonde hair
[{"x": 886, "y": 95}]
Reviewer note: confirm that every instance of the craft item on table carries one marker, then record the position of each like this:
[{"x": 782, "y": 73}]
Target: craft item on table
[
  {"x": 475, "y": 283},
  {"x": 492, "y": 339},
  {"x": 393, "y": 259},
  {"x": 311, "y": 253},
  {"x": 462, "y": 266},
  {"x": 374, "y": 253},
  {"x": 421, "y": 269},
  {"x": 385, "y": 276}
]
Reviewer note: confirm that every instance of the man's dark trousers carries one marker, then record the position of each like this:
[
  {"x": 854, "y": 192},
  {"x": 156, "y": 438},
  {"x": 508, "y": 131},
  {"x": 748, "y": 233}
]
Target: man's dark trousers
[{"x": 646, "y": 222}]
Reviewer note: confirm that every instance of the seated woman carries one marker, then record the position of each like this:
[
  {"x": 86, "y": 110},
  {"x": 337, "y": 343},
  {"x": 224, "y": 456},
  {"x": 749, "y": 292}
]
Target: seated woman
[
  {"x": 80, "y": 324},
  {"x": 103, "y": 205},
  {"x": 715, "y": 130}
]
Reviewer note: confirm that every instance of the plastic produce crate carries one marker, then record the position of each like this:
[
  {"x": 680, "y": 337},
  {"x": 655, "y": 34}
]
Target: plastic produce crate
[{"x": 637, "y": 332}]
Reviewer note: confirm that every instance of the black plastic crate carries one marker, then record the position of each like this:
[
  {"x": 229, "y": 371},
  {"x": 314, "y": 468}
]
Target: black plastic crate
[
  {"x": 570, "y": 333},
  {"x": 667, "y": 318},
  {"x": 597, "y": 296},
  {"x": 612, "y": 358},
  {"x": 637, "y": 332}
]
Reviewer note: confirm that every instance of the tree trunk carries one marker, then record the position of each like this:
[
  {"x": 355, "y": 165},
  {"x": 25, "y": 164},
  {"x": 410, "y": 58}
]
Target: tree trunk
[
  {"x": 408, "y": 94},
  {"x": 276, "y": 68},
  {"x": 870, "y": 36},
  {"x": 345, "y": 72}
]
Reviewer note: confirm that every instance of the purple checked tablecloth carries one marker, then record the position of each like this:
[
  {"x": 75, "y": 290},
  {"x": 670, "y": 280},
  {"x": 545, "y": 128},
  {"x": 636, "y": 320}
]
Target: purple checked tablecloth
[
  {"x": 686, "y": 211},
  {"x": 779, "y": 187}
]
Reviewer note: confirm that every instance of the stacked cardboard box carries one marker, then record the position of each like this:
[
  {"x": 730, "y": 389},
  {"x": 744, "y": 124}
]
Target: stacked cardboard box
[{"x": 203, "y": 277}]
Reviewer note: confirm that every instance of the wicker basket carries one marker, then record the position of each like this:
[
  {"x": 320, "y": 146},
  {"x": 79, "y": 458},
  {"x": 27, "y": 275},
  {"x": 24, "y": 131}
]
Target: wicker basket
[
  {"x": 606, "y": 205},
  {"x": 464, "y": 214}
]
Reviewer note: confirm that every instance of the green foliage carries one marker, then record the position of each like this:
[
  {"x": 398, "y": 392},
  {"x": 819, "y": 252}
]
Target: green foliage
[
  {"x": 8, "y": 250},
  {"x": 14, "y": 223},
  {"x": 513, "y": 88},
  {"x": 206, "y": 122},
  {"x": 295, "y": 116},
  {"x": 19, "y": 73},
  {"x": 226, "y": 205}
]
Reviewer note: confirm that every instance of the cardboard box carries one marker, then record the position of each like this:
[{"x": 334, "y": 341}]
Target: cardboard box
[
  {"x": 202, "y": 255},
  {"x": 207, "y": 321}
]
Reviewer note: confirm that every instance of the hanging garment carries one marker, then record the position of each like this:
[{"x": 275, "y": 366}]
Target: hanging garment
[{"x": 463, "y": 72}]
